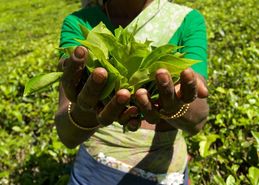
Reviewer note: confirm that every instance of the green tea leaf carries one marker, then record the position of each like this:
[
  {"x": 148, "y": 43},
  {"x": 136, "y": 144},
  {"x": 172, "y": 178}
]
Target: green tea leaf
[
  {"x": 132, "y": 63},
  {"x": 40, "y": 82},
  {"x": 101, "y": 28},
  {"x": 180, "y": 62},
  {"x": 205, "y": 144},
  {"x": 172, "y": 68},
  {"x": 158, "y": 53},
  {"x": 140, "y": 77},
  {"x": 68, "y": 50},
  {"x": 110, "y": 85},
  {"x": 118, "y": 32},
  {"x": 84, "y": 30},
  {"x": 230, "y": 180},
  {"x": 121, "y": 68},
  {"x": 253, "y": 175},
  {"x": 256, "y": 136},
  {"x": 93, "y": 41}
]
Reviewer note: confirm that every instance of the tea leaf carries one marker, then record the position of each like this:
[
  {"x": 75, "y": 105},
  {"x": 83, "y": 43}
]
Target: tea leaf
[
  {"x": 110, "y": 85},
  {"x": 253, "y": 175},
  {"x": 84, "y": 30},
  {"x": 121, "y": 68},
  {"x": 40, "y": 82},
  {"x": 158, "y": 53},
  {"x": 140, "y": 77},
  {"x": 68, "y": 50},
  {"x": 173, "y": 68}
]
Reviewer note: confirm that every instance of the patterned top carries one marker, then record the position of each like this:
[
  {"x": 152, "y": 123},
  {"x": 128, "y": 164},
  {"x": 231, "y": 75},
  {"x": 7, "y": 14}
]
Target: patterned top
[{"x": 156, "y": 152}]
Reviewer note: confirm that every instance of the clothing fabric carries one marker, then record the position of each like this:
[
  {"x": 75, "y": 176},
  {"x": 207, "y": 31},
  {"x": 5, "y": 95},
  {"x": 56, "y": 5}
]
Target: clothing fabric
[
  {"x": 156, "y": 152},
  {"x": 87, "y": 171}
]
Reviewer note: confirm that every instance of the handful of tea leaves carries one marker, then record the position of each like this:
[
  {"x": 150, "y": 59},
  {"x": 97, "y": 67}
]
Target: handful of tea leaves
[{"x": 130, "y": 64}]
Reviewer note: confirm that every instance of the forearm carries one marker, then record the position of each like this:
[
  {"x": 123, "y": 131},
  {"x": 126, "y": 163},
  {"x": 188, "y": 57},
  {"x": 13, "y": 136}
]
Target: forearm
[
  {"x": 195, "y": 117},
  {"x": 68, "y": 133}
]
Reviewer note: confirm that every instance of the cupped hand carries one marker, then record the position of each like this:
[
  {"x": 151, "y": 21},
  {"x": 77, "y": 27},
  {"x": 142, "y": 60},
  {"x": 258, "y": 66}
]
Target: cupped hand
[
  {"x": 84, "y": 93},
  {"x": 171, "y": 97}
]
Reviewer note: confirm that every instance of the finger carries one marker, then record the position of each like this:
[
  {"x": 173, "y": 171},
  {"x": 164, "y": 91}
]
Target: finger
[
  {"x": 202, "y": 88},
  {"x": 73, "y": 69},
  {"x": 166, "y": 91},
  {"x": 129, "y": 113},
  {"x": 188, "y": 88},
  {"x": 111, "y": 112},
  {"x": 146, "y": 107},
  {"x": 133, "y": 124},
  {"x": 131, "y": 118},
  {"x": 90, "y": 94}
]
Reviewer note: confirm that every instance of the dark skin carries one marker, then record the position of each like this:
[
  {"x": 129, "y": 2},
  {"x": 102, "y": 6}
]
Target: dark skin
[{"x": 88, "y": 111}]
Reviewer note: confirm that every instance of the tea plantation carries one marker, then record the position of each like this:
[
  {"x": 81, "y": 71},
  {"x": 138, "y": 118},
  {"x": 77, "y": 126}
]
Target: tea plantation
[{"x": 226, "y": 151}]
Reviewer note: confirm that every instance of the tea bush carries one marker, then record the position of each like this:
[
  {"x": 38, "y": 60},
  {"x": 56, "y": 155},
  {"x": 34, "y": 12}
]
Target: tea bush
[{"x": 225, "y": 152}]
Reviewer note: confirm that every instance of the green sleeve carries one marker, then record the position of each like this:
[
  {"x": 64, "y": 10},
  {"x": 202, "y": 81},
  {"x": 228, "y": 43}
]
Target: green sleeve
[
  {"x": 194, "y": 40},
  {"x": 88, "y": 17},
  {"x": 71, "y": 31}
]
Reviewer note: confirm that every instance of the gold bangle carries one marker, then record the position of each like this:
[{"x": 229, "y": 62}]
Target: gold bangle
[
  {"x": 75, "y": 124},
  {"x": 178, "y": 114}
]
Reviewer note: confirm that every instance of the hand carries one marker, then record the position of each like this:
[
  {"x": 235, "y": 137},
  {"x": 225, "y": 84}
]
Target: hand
[
  {"x": 84, "y": 93},
  {"x": 171, "y": 97}
]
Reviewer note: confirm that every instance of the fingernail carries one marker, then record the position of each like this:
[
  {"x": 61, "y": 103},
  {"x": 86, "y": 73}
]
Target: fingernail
[
  {"x": 187, "y": 75},
  {"x": 133, "y": 125},
  {"x": 122, "y": 99},
  {"x": 98, "y": 78},
  {"x": 123, "y": 96},
  {"x": 163, "y": 78},
  {"x": 79, "y": 52},
  {"x": 134, "y": 113}
]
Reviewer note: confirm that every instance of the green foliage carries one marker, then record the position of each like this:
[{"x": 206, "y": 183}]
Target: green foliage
[
  {"x": 41, "y": 82},
  {"x": 234, "y": 97},
  {"x": 30, "y": 151},
  {"x": 226, "y": 152}
]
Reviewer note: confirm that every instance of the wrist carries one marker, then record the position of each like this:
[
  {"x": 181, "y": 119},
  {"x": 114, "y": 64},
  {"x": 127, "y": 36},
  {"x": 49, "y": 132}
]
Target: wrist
[{"x": 82, "y": 118}]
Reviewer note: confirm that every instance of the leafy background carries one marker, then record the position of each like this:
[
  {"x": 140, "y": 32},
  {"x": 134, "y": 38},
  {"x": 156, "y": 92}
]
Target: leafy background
[{"x": 225, "y": 152}]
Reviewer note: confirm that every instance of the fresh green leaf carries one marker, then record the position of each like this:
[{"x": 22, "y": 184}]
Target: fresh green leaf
[
  {"x": 110, "y": 85},
  {"x": 139, "y": 78},
  {"x": 158, "y": 53},
  {"x": 40, "y": 82},
  {"x": 68, "y": 50},
  {"x": 230, "y": 180},
  {"x": 256, "y": 136},
  {"x": 218, "y": 179},
  {"x": 84, "y": 30},
  {"x": 253, "y": 175},
  {"x": 122, "y": 69},
  {"x": 205, "y": 143}
]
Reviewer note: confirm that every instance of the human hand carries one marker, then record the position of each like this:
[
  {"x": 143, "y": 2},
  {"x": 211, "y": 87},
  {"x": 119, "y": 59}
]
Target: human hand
[
  {"x": 171, "y": 97},
  {"x": 84, "y": 93}
]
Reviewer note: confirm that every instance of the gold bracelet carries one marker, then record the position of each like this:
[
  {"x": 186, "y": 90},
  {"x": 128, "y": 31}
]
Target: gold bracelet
[
  {"x": 75, "y": 124},
  {"x": 178, "y": 114}
]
